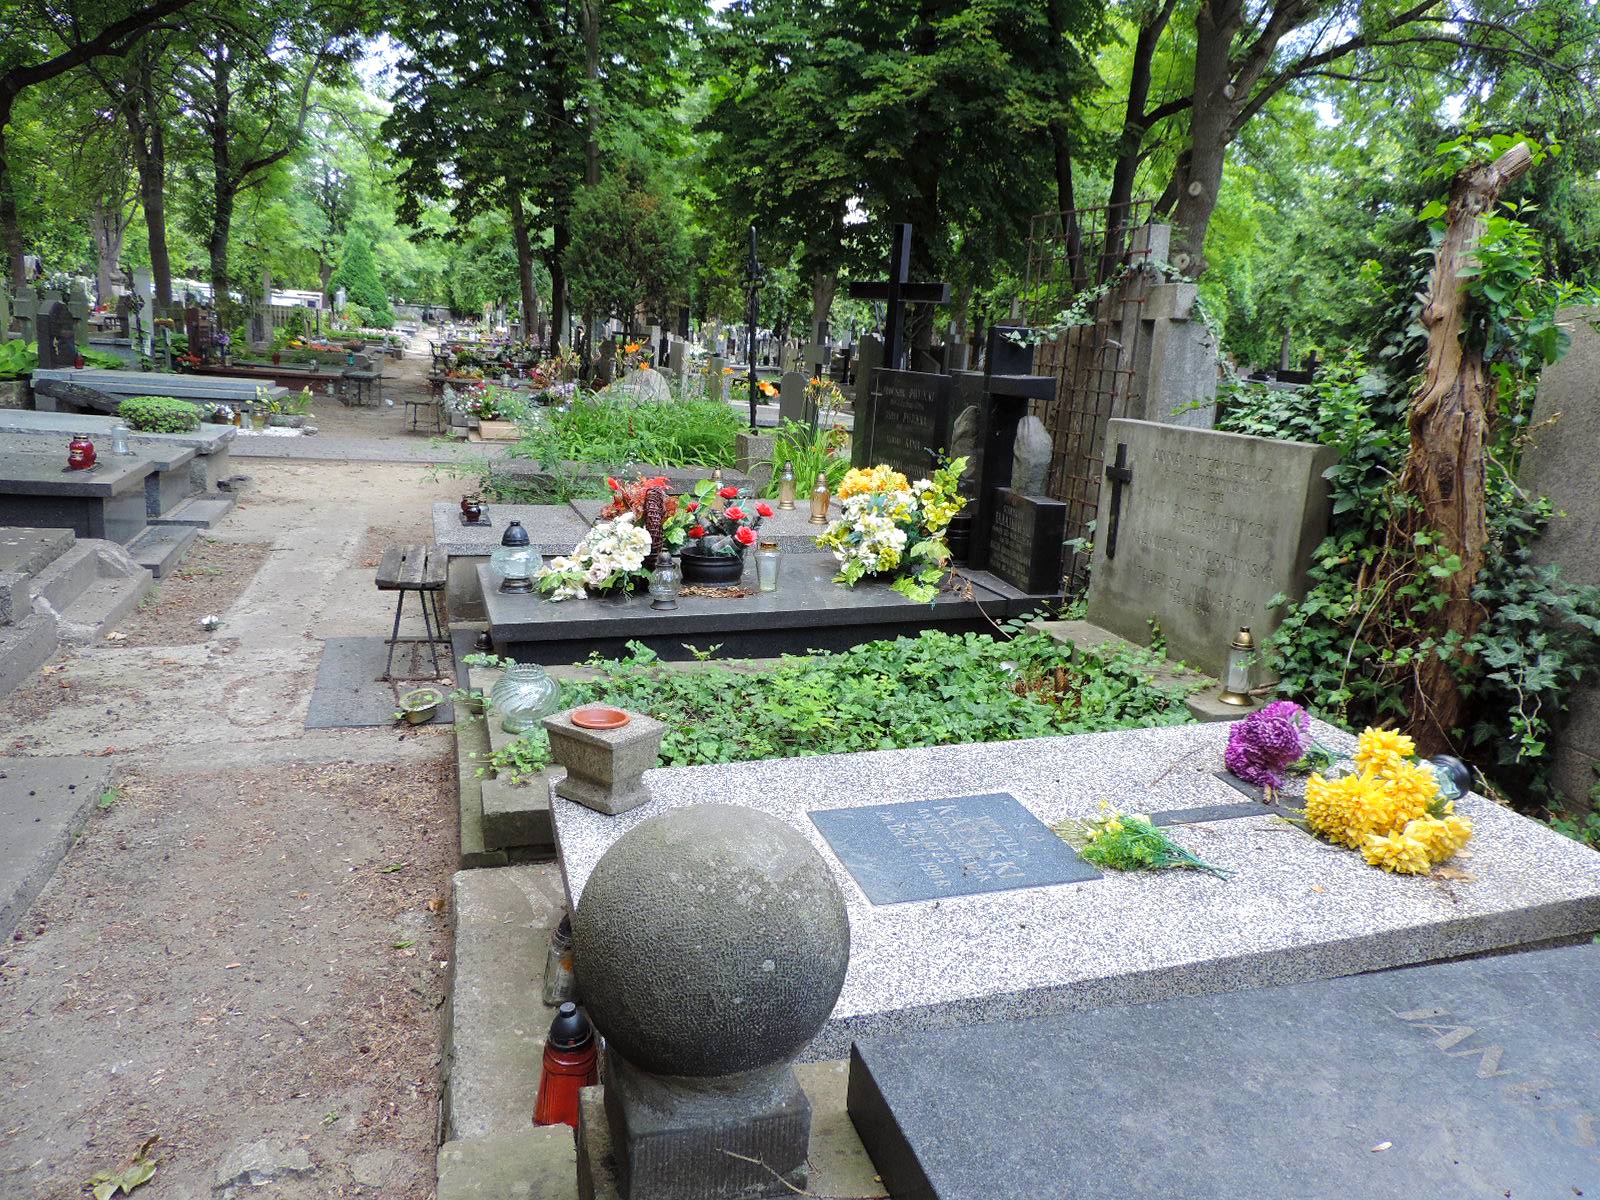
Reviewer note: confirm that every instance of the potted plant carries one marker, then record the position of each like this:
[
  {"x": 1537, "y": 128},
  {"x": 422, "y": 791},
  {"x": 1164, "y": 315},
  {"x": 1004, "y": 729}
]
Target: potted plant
[{"x": 713, "y": 552}]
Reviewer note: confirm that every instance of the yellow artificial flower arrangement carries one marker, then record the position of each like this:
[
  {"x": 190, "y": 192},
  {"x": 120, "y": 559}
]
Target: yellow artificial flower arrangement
[
  {"x": 1390, "y": 809},
  {"x": 860, "y": 481}
]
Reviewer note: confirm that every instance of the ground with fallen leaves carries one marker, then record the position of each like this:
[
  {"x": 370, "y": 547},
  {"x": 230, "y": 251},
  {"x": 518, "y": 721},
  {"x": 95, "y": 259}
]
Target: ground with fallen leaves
[{"x": 245, "y": 955}]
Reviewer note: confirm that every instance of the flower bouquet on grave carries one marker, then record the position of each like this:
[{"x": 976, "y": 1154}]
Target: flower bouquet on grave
[
  {"x": 715, "y": 538},
  {"x": 1273, "y": 742},
  {"x": 1392, "y": 807},
  {"x": 1130, "y": 843},
  {"x": 893, "y": 528},
  {"x": 610, "y": 558}
]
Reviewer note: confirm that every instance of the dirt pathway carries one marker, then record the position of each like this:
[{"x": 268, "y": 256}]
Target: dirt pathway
[{"x": 245, "y": 953}]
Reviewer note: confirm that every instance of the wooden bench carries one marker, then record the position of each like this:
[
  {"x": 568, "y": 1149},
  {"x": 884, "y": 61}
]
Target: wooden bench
[{"x": 419, "y": 569}]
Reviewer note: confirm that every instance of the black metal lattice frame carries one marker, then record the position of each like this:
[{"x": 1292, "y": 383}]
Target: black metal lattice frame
[{"x": 1079, "y": 260}]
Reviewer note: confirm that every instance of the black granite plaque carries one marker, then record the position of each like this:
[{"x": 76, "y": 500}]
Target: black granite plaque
[
  {"x": 909, "y": 423},
  {"x": 961, "y": 846},
  {"x": 1025, "y": 539},
  {"x": 1466, "y": 1079}
]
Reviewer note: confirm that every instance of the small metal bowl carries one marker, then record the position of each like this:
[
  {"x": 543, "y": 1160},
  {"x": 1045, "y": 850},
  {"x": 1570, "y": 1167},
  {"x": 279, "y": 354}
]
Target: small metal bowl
[{"x": 421, "y": 705}]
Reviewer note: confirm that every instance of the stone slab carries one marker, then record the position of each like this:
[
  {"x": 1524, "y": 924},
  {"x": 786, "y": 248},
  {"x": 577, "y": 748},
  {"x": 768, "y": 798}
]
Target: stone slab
[
  {"x": 1476, "y": 1078},
  {"x": 1213, "y": 526},
  {"x": 518, "y": 816},
  {"x": 217, "y": 388},
  {"x": 552, "y": 528},
  {"x": 808, "y": 611},
  {"x": 1297, "y": 909},
  {"x": 44, "y": 802},
  {"x": 25, "y": 551},
  {"x": 497, "y": 1019},
  {"x": 537, "y": 1163},
  {"x": 349, "y": 693},
  {"x": 957, "y": 846},
  {"x": 35, "y": 473},
  {"x": 208, "y": 439},
  {"x": 472, "y": 743}
]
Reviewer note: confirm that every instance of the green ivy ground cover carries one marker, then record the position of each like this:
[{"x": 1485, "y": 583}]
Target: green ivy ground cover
[{"x": 931, "y": 690}]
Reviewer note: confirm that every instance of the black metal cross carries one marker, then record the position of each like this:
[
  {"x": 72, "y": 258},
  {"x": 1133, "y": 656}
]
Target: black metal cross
[
  {"x": 898, "y": 293},
  {"x": 753, "y": 279},
  {"x": 1121, "y": 475}
]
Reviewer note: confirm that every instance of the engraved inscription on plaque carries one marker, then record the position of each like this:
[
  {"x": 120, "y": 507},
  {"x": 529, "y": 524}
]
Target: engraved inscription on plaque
[
  {"x": 910, "y": 420},
  {"x": 1025, "y": 541},
  {"x": 961, "y": 846}
]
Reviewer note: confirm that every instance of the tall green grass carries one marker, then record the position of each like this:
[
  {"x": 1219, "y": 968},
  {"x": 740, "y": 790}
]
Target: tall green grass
[{"x": 613, "y": 433}]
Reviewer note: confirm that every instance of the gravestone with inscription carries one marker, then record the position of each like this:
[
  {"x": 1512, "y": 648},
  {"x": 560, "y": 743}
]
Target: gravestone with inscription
[
  {"x": 792, "y": 404},
  {"x": 960, "y": 846},
  {"x": 57, "y": 345},
  {"x": 1025, "y": 536},
  {"x": 1199, "y": 531},
  {"x": 908, "y": 423}
]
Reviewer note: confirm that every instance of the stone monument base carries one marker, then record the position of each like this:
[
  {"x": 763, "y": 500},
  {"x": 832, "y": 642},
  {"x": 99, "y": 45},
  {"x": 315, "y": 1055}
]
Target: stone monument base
[{"x": 649, "y": 1137}]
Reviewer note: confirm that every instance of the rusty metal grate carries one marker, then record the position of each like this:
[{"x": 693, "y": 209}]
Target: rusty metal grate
[{"x": 1075, "y": 259}]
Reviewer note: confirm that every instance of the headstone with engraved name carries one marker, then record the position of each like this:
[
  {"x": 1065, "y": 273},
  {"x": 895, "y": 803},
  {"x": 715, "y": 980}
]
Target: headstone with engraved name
[
  {"x": 908, "y": 422},
  {"x": 1025, "y": 536},
  {"x": 1201, "y": 532}
]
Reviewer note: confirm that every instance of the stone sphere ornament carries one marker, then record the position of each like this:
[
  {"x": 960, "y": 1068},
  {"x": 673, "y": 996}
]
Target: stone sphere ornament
[{"x": 710, "y": 940}]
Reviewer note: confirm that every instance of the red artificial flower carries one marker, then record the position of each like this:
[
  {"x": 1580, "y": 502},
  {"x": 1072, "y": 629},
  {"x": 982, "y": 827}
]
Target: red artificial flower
[
  {"x": 729, "y": 493},
  {"x": 763, "y": 509},
  {"x": 697, "y": 531},
  {"x": 733, "y": 513},
  {"x": 745, "y": 535},
  {"x": 613, "y": 484},
  {"x": 660, "y": 481},
  {"x": 692, "y": 505}
]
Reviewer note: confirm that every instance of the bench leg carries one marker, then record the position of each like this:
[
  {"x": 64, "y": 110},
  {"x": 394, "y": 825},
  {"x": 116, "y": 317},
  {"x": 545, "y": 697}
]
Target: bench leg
[
  {"x": 388, "y": 666},
  {"x": 427, "y": 624}
]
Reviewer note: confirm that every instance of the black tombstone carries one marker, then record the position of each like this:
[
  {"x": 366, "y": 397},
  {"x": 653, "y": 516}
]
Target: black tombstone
[{"x": 58, "y": 345}]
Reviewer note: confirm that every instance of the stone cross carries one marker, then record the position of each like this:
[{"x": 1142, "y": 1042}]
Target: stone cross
[
  {"x": 1121, "y": 475},
  {"x": 754, "y": 277},
  {"x": 898, "y": 291}
]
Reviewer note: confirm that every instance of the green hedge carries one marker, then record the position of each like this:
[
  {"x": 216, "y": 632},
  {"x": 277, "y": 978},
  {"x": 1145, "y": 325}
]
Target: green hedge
[{"x": 159, "y": 414}]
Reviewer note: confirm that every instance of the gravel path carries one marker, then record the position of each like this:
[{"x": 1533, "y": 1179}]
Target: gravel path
[{"x": 245, "y": 954}]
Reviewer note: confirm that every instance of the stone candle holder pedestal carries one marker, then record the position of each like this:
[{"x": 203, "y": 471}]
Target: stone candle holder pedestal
[{"x": 604, "y": 766}]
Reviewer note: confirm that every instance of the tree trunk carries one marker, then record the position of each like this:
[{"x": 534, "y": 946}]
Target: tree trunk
[
  {"x": 1200, "y": 177},
  {"x": 10, "y": 230},
  {"x": 519, "y": 237},
  {"x": 823, "y": 286},
  {"x": 223, "y": 183},
  {"x": 150, "y": 160},
  {"x": 1449, "y": 427},
  {"x": 1119, "y": 202},
  {"x": 106, "y": 227},
  {"x": 556, "y": 260}
]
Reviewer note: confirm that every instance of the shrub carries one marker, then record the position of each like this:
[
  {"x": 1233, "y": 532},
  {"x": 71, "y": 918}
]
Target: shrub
[
  {"x": 159, "y": 414},
  {"x": 615, "y": 433}
]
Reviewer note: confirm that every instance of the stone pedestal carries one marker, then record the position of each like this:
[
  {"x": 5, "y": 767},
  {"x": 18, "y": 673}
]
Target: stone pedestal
[
  {"x": 753, "y": 456},
  {"x": 711, "y": 945},
  {"x": 604, "y": 766}
]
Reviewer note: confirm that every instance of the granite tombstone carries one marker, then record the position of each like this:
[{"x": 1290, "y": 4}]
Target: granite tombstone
[{"x": 1200, "y": 532}]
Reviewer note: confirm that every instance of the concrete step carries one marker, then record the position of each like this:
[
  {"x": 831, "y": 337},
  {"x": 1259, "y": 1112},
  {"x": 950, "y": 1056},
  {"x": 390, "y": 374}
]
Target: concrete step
[
  {"x": 537, "y": 1163},
  {"x": 497, "y": 1019},
  {"x": 471, "y": 741},
  {"x": 89, "y": 589},
  {"x": 161, "y": 547},
  {"x": 43, "y": 804},
  {"x": 25, "y": 646},
  {"x": 199, "y": 512}
]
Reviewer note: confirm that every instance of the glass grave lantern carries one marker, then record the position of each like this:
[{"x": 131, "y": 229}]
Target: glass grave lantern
[
  {"x": 515, "y": 561},
  {"x": 1236, "y": 678}
]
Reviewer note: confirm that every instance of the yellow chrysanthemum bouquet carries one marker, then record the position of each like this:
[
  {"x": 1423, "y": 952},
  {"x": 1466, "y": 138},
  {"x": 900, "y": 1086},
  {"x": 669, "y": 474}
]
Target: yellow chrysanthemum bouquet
[
  {"x": 1390, "y": 808},
  {"x": 892, "y": 527}
]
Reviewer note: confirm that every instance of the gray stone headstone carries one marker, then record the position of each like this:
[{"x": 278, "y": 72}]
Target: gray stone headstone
[
  {"x": 1030, "y": 467},
  {"x": 869, "y": 357},
  {"x": 1560, "y": 464},
  {"x": 1211, "y": 528},
  {"x": 678, "y": 359},
  {"x": 648, "y": 385},
  {"x": 5, "y": 313},
  {"x": 26, "y": 309},
  {"x": 792, "y": 399},
  {"x": 1474, "y": 1078},
  {"x": 57, "y": 343}
]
